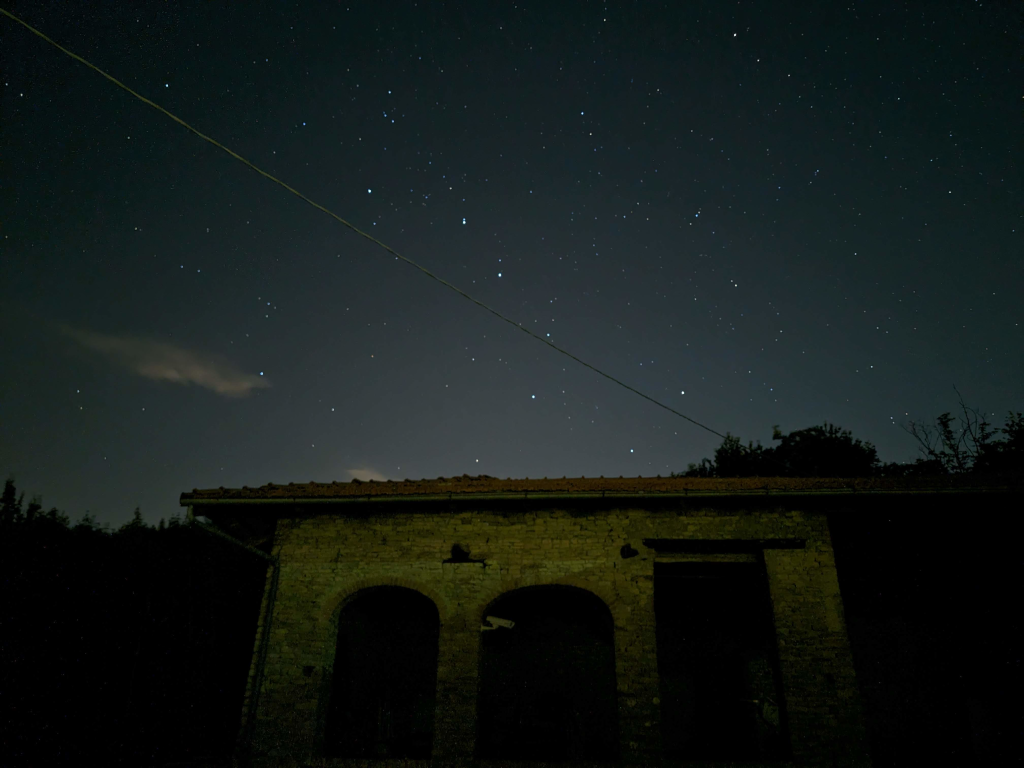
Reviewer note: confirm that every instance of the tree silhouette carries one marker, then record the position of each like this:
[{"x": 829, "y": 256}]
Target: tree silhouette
[
  {"x": 825, "y": 451},
  {"x": 950, "y": 445},
  {"x": 822, "y": 451},
  {"x": 967, "y": 443},
  {"x": 10, "y": 504},
  {"x": 112, "y": 639},
  {"x": 1004, "y": 456}
]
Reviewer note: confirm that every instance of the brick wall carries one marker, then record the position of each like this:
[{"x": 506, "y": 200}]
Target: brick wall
[{"x": 326, "y": 559}]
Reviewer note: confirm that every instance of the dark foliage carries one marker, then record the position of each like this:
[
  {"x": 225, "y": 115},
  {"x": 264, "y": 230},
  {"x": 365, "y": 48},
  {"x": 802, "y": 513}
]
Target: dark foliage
[
  {"x": 949, "y": 446},
  {"x": 825, "y": 451},
  {"x": 969, "y": 444},
  {"x": 127, "y": 647},
  {"x": 935, "y": 641}
]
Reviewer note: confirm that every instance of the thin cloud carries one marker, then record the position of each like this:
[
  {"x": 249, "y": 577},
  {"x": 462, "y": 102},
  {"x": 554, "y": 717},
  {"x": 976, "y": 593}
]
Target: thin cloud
[
  {"x": 164, "y": 362},
  {"x": 366, "y": 474}
]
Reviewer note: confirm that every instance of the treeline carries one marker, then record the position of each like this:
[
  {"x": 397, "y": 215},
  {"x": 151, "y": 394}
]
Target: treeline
[
  {"x": 950, "y": 445},
  {"x": 120, "y": 647}
]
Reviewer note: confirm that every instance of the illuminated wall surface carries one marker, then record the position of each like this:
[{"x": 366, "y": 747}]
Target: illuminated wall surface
[{"x": 631, "y": 621}]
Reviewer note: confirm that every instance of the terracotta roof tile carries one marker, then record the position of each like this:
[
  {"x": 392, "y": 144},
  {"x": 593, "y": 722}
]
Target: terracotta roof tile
[{"x": 485, "y": 484}]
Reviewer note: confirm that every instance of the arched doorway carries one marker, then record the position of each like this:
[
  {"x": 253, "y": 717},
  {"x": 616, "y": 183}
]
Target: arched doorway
[
  {"x": 547, "y": 684},
  {"x": 385, "y": 676}
]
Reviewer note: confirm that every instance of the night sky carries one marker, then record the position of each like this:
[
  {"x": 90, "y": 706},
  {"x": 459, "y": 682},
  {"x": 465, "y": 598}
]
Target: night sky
[{"x": 757, "y": 213}]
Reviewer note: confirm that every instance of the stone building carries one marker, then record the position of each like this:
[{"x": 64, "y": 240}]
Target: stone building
[{"x": 477, "y": 621}]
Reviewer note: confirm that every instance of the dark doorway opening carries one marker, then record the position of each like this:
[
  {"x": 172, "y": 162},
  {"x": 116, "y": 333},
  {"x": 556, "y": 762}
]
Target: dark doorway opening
[
  {"x": 547, "y": 685},
  {"x": 385, "y": 677},
  {"x": 717, "y": 662}
]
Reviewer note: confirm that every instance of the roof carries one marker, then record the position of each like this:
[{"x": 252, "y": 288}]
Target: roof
[{"x": 468, "y": 486}]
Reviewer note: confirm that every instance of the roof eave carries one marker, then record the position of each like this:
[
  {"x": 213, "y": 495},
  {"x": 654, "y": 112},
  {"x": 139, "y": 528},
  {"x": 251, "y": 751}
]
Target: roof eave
[{"x": 189, "y": 500}]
